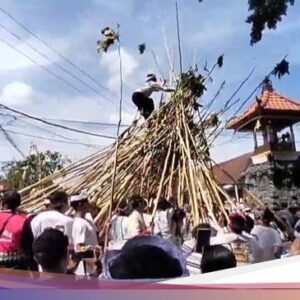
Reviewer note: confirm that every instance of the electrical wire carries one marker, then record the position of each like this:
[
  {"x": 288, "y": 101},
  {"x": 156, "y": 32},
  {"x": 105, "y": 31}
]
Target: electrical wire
[
  {"x": 76, "y": 121},
  {"x": 56, "y": 125},
  {"x": 55, "y": 51},
  {"x": 53, "y": 62},
  {"x": 41, "y": 66},
  {"x": 11, "y": 141},
  {"x": 50, "y": 139}
]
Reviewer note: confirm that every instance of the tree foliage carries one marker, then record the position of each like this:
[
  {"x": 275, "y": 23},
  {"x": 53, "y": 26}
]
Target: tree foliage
[
  {"x": 265, "y": 13},
  {"x": 23, "y": 173}
]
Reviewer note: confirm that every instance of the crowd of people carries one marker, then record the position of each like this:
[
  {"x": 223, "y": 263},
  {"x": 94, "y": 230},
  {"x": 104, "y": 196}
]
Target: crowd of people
[{"x": 63, "y": 239}]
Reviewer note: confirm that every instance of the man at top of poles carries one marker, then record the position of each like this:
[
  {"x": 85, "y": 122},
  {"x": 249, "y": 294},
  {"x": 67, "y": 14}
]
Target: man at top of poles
[{"x": 141, "y": 97}]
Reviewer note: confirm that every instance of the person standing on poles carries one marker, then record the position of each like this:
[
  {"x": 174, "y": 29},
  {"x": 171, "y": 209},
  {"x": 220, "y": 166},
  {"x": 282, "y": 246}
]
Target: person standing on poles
[{"x": 141, "y": 97}]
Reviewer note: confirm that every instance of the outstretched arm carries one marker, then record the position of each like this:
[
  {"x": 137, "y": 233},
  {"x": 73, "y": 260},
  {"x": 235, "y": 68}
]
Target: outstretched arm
[
  {"x": 168, "y": 89},
  {"x": 161, "y": 87}
]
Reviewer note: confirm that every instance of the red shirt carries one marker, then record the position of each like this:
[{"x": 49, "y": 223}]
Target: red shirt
[{"x": 11, "y": 237}]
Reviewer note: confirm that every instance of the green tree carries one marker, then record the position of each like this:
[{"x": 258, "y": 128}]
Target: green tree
[
  {"x": 265, "y": 14},
  {"x": 35, "y": 167}
]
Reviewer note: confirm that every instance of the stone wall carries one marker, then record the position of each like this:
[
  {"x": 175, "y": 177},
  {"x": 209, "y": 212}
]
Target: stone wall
[{"x": 275, "y": 182}]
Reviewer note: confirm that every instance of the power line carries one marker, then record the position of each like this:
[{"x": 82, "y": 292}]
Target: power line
[
  {"x": 11, "y": 141},
  {"x": 56, "y": 51},
  {"x": 74, "y": 121},
  {"x": 86, "y": 122},
  {"x": 233, "y": 140},
  {"x": 50, "y": 139},
  {"x": 54, "y": 124},
  {"x": 41, "y": 66},
  {"x": 46, "y": 130},
  {"x": 53, "y": 62}
]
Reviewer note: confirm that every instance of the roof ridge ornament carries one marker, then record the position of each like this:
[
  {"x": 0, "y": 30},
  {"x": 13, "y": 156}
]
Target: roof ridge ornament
[{"x": 267, "y": 86}]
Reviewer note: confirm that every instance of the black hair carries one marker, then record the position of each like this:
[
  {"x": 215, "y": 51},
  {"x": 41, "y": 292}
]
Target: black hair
[
  {"x": 135, "y": 201},
  {"x": 145, "y": 262},
  {"x": 267, "y": 216},
  {"x": 58, "y": 199},
  {"x": 249, "y": 223},
  {"x": 50, "y": 248},
  {"x": 76, "y": 204},
  {"x": 124, "y": 208},
  {"x": 199, "y": 226},
  {"x": 216, "y": 258},
  {"x": 11, "y": 199},
  {"x": 151, "y": 77},
  {"x": 178, "y": 215},
  {"x": 163, "y": 204}
]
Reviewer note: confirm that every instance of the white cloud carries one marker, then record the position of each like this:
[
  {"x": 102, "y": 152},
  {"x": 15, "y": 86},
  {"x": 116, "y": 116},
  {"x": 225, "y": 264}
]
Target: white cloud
[
  {"x": 17, "y": 94},
  {"x": 111, "y": 62},
  {"x": 14, "y": 54}
]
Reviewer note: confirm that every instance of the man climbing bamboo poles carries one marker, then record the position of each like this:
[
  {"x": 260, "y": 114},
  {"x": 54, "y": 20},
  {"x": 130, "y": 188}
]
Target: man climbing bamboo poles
[{"x": 141, "y": 97}]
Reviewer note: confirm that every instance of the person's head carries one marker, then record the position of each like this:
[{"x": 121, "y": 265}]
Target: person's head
[
  {"x": 137, "y": 203},
  {"x": 178, "y": 215},
  {"x": 187, "y": 208},
  {"x": 199, "y": 226},
  {"x": 123, "y": 209},
  {"x": 47, "y": 204},
  {"x": 237, "y": 223},
  {"x": 217, "y": 258},
  {"x": 80, "y": 203},
  {"x": 59, "y": 201},
  {"x": 10, "y": 200},
  {"x": 163, "y": 204},
  {"x": 267, "y": 217},
  {"x": 249, "y": 224},
  {"x": 151, "y": 78},
  {"x": 145, "y": 262},
  {"x": 295, "y": 247},
  {"x": 173, "y": 201},
  {"x": 50, "y": 251},
  {"x": 94, "y": 210}
]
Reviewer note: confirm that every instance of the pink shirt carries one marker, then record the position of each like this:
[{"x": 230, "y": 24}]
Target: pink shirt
[{"x": 11, "y": 237}]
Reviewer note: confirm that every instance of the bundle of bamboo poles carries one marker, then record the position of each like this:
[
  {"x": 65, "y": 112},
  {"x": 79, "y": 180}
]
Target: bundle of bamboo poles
[{"x": 166, "y": 156}]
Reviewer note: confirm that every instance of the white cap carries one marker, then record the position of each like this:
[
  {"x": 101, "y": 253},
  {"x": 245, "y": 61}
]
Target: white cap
[
  {"x": 77, "y": 198},
  {"x": 47, "y": 202}
]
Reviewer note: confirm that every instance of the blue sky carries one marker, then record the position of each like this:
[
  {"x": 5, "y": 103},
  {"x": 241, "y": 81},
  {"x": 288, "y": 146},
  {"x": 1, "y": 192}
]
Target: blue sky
[{"x": 73, "y": 27}]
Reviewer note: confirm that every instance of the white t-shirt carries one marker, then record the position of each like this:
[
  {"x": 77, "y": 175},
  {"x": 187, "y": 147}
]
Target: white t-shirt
[
  {"x": 268, "y": 239},
  {"x": 52, "y": 219},
  {"x": 118, "y": 231},
  {"x": 151, "y": 87},
  {"x": 162, "y": 223},
  {"x": 135, "y": 224},
  {"x": 84, "y": 232}
]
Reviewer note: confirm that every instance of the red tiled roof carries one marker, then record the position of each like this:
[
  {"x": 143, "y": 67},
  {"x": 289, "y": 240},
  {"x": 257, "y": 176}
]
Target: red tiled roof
[
  {"x": 230, "y": 172},
  {"x": 272, "y": 103}
]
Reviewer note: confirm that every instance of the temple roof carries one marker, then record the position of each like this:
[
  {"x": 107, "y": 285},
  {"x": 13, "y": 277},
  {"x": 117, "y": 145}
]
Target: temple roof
[
  {"x": 269, "y": 104},
  {"x": 230, "y": 172}
]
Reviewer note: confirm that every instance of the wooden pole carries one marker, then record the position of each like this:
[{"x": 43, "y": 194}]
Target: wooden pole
[
  {"x": 178, "y": 38},
  {"x": 117, "y": 142}
]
